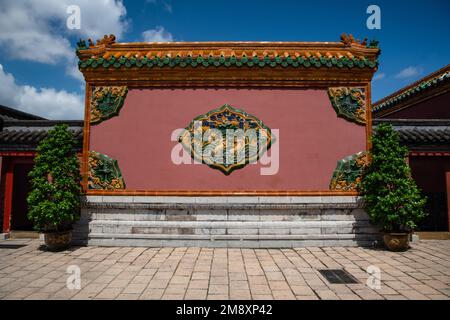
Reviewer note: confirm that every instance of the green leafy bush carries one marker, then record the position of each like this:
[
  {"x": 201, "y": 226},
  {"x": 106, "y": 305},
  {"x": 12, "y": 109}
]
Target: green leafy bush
[
  {"x": 392, "y": 197},
  {"x": 54, "y": 200}
]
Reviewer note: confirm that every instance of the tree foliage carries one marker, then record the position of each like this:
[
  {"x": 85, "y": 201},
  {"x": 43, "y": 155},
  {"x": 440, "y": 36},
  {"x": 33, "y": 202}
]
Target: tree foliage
[
  {"x": 392, "y": 197},
  {"x": 54, "y": 201}
]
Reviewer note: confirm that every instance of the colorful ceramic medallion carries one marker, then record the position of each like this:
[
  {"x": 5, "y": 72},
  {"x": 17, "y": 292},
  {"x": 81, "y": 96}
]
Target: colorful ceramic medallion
[
  {"x": 106, "y": 102},
  {"x": 226, "y": 139},
  {"x": 349, "y": 103},
  {"x": 348, "y": 172},
  {"x": 104, "y": 173}
]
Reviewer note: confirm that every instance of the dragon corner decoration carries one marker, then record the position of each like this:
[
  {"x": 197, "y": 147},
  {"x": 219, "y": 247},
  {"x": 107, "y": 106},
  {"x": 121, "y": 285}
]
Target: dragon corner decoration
[
  {"x": 349, "y": 103},
  {"x": 106, "y": 102},
  {"x": 348, "y": 172},
  {"x": 104, "y": 173}
]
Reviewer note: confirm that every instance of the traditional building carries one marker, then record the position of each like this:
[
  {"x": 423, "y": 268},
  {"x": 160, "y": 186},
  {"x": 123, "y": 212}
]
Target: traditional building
[
  {"x": 148, "y": 184},
  {"x": 20, "y": 134},
  {"x": 256, "y": 144},
  {"x": 420, "y": 113}
]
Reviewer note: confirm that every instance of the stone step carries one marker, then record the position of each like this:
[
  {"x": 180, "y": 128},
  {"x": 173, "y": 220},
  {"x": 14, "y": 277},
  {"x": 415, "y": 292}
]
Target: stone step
[
  {"x": 231, "y": 236},
  {"x": 229, "y": 233},
  {"x": 230, "y": 227},
  {"x": 227, "y": 215},
  {"x": 232, "y": 241},
  {"x": 230, "y": 224},
  {"x": 251, "y": 222}
]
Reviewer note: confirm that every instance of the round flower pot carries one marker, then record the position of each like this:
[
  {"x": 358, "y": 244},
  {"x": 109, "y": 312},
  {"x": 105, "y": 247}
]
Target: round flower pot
[
  {"x": 57, "y": 241},
  {"x": 396, "y": 241}
]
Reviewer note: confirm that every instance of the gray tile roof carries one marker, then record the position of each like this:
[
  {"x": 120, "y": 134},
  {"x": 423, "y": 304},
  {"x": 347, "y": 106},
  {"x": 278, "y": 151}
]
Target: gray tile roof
[
  {"x": 25, "y": 135},
  {"x": 420, "y": 132}
]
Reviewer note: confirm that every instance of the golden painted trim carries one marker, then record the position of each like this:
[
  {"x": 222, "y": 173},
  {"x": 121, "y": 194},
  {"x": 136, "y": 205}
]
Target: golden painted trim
[
  {"x": 86, "y": 138},
  {"x": 368, "y": 118}
]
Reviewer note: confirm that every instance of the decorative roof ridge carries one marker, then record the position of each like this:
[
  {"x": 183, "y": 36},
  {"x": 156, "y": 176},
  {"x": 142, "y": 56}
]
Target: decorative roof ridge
[
  {"x": 11, "y": 112},
  {"x": 107, "y": 45},
  {"x": 170, "y": 44},
  {"x": 234, "y": 63},
  {"x": 439, "y": 75}
]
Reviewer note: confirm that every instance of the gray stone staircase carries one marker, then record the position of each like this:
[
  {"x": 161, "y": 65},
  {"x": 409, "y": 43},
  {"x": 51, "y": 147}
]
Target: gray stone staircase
[{"x": 250, "y": 222}]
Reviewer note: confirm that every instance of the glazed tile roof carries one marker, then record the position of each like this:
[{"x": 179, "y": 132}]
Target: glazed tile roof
[
  {"x": 349, "y": 53},
  {"x": 20, "y": 135},
  {"x": 420, "y": 132},
  {"x": 440, "y": 78}
]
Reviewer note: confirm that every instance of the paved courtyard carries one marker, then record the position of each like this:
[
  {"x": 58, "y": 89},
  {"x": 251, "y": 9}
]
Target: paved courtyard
[{"x": 28, "y": 272}]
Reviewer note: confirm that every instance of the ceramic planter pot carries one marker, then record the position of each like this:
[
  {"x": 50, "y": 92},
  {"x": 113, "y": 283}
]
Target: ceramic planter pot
[
  {"x": 56, "y": 241},
  {"x": 396, "y": 241}
]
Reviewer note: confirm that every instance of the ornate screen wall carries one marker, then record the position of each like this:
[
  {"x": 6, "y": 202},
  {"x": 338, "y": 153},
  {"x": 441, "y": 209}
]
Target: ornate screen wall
[{"x": 306, "y": 103}]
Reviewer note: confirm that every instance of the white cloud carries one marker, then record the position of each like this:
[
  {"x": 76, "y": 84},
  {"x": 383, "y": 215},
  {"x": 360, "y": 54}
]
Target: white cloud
[
  {"x": 159, "y": 34},
  {"x": 74, "y": 72},
  {"x": 45, "y": 102},
  {"x": 36, "y": 30},
  {"x": 409, "y": 72},
  {"x": 168, "y": 7},
  {"x": 379, "y": 76},
  {"x": 26, "y": 35}
]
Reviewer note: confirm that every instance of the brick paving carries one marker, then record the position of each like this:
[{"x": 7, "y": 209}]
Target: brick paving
[{"x": 29, "y": 272}]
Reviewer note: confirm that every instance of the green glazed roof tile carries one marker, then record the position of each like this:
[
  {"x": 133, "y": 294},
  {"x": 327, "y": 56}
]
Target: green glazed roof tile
[{"x": 217, "y": 62}]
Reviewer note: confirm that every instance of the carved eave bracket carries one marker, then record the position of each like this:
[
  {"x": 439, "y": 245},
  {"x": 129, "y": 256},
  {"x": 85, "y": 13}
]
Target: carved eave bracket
[
  {"x": 104, "y": 173},
  {"x": 349, "y": 103},
  {"x": 348, "y": 172},
  {"x": 106, "y": 102}
]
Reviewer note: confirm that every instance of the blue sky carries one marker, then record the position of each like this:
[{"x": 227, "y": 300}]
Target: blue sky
[{"x": 37, "y": 56}]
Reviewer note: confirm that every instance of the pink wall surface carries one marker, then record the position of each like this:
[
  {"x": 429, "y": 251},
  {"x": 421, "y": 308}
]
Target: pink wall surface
[{"x": 312, "y": 139}]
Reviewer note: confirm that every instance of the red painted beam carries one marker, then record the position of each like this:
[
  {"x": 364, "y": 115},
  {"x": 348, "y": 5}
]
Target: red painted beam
[
  {"x": 447, "y": 180},
  {"x": 429, "y": 153},
  {"x": 9, "y": 180},
  {"x": 17, "y": 153}
]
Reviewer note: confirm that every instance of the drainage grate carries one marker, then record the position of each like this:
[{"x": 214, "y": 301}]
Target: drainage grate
[
  {"x": 338, "y": 276},
  {"x": 11, "y": 246}
]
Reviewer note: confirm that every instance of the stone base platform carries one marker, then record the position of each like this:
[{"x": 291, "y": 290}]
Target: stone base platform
[{"x": 247, "y": 222}]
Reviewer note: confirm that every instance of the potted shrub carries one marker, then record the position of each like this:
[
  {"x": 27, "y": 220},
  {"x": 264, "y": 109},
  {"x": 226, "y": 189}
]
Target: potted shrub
[
  {"x": 54, "y": 200},
  {"x": 391, "y": 196}
]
